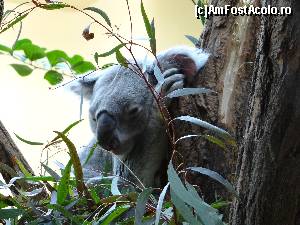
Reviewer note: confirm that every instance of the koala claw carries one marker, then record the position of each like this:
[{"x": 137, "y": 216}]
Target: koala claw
[{"x": 172, "y": 82}]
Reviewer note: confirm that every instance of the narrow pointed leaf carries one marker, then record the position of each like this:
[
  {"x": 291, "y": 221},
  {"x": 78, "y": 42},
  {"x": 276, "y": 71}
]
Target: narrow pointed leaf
[
  {"x": 3, "y": 48},
  {"x": 15, "y": 21},
  {"x": 75, "y": 161},
  {"x": 204, "y": 124},
  {"x": 121, "y": 59},
  {"x": 214, "y": 175},
  {"x": 189, "y": 91},
  {"x": 28, "y": 142},
  {"x": 194, "y": 40},
  {"x": 160, "y": 203},
  {"x": 63, "y": 186},
  {"x": 51, "y": 172},
  {"x": 101, "y": 13},
  {"x": 141, "y": 205},
  {"x": 111, "y": 51}
]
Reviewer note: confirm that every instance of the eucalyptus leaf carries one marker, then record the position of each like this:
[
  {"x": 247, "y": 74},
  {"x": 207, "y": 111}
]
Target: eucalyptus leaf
[
  {"x": 194, "y": 40},
  {"x": 141, "y": 205},
  {"x": 51, "y": 172},
  {"x": 101, "y": 13},
  {"x": 4, "y": 48},
  {"x": 28, "y": 142},
  {"x": 149, "y": 28},
  {"x": 214, "y": 175},
  {"x": 121, "y": 59},
  {"x": 63, "y": 185},
  {"x": 110, "y": 52},
  {"x": 15, "y": 21},
  {"x": 204, "y": 124},
  {"x": 115, "y": 214},
  {"x": 160, "y": 203},
  {"x": 189, "y": 91}
]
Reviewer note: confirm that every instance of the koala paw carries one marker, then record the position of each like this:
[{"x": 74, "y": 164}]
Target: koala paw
[{"x": 173, "y": 81}]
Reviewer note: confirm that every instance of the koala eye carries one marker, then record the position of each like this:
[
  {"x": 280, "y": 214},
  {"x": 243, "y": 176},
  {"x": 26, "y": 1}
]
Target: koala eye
[{"x": 133, "y": 110}]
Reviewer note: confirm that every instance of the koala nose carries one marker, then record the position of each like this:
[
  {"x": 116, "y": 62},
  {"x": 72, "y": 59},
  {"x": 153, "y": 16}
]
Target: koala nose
[{"x": 106, "y": 124}]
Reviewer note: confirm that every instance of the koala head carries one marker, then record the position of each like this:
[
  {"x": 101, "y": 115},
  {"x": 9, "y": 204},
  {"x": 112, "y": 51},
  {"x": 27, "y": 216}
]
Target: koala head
[{"x": 122, "y": 108}]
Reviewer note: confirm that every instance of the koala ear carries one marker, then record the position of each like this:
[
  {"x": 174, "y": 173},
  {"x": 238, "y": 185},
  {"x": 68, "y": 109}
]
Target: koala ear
[
  {"x": 188, "y": 60},
  {"x": 84, "y": 85}
]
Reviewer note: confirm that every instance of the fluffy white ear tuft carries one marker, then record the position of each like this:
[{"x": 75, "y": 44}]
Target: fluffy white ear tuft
[
  {"x": 189, "y": 60},
  {"x": 84, "y": 85}
]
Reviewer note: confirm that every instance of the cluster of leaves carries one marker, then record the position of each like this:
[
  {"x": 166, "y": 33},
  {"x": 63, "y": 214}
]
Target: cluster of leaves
[
  {"x": 55, "y": 62},
  {"x": 63, "y": 198}
]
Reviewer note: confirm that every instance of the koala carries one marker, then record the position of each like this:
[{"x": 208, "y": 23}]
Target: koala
[{"x": 125, "y": 119}]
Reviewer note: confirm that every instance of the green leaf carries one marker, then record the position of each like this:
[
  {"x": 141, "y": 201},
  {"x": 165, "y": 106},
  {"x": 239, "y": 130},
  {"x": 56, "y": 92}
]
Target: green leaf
[
  {"x": 141, "y": 205},
  {"x": 55, "y": 56},
  {"x": 160, "y": 203},
  {"x": 220, "y": 204},
  {"x": 107, "y": 65},
  {"x": 111, "y": 51},
  {"x": 185, "y": 211},
  {"x": 75, "y": 161},
  {"x": 189, "y": 91},
  {"x": 153, "y": 39},
  {"x": 65, "y": 131},
  {"x": 149, "y": 28},
  {"x": 5, "y": 49},
  {"x": 51, "y": 172},
  {"x": 96, "y": 57},
  {"x": 214, "y": 175},
  {"x": 53, "y": 6},
  {"x": 28, "y": 142},
  {"x": 22, "y": 167},
  {"x": 53, "y": 77},
  {"x": 22, "y": 70},
  {"x": 200, "y": 4},
  {"x": 115, "y": 214},
  {"x": 32, "y": 52},
  {"x": 10, "y": 213},
  {"x": 82, "y": 67},
  {"x": 21, "y": 44},
  {"x": 101, "y": 13},
  {"x": 215, "y": 140},
  {"x": 63, "y": 186},
  {"x": 15, "y": 21},
  {"x": 194, "y": 40},
  {"x": 206, "y": 214},
  {"x": 121, "y": 59},
  {"x": 75, "y": 59},
  {"x": 205, "y": 124},
  {"x": 39, "y": 178},
  {"x": 65, "y": 212}
]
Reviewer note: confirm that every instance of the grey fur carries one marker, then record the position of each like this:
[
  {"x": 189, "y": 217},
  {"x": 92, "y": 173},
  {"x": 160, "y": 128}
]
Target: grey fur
[{"x": 124, "y": 109}]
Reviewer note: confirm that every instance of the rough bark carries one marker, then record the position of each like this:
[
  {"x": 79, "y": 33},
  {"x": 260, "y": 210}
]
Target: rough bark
[
  {"x": 254, "y": 67},
  {"x": 8, "y": 153},
  {"x": 1, "y": 9}
]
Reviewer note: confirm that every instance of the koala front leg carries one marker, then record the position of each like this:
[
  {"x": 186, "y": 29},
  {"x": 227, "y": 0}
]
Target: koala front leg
[{"x": 173, "y": 81}]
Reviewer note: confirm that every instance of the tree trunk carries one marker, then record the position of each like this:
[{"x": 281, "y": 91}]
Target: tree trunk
[
  {"x": 8, "y": 153},
  {"x": 255, "y": 68}
]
